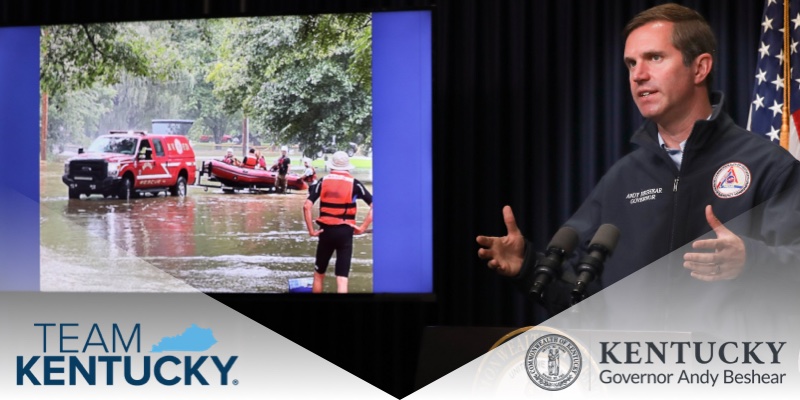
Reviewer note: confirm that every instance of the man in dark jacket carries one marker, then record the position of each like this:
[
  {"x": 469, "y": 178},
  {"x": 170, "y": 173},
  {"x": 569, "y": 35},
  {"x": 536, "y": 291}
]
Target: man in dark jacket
[
  {"x": 282, "y": 166},
  {"x": 693, "y": 169}
]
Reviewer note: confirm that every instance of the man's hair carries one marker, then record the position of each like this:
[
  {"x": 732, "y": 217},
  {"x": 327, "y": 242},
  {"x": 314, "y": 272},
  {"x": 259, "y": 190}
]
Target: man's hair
[{"x": 691, "y": 34}]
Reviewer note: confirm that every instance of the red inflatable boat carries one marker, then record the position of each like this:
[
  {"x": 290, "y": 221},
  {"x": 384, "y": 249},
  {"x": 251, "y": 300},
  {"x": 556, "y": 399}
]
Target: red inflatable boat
[{"x": 248, "y": 178}]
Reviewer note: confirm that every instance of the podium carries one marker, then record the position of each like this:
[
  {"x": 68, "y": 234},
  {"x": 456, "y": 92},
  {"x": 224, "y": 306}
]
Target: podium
[{"x": 443, "y": 349}]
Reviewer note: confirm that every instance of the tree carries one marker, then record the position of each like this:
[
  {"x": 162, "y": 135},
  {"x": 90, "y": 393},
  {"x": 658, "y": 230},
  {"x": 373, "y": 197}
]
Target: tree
[
  {"x": 146, "y": 71},
  {"x": 75, "y": 57},
  {"x": 304, "y": 79},
  {"x": 198, "y": 41},
  {"x": 76, "y": 113}
]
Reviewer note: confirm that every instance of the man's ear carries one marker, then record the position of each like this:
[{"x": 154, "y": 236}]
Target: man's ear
[{"x": 702, "y": 67}]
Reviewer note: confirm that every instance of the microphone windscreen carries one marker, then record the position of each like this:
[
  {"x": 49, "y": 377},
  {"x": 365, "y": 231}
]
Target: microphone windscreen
[
  {"x": 566, "y": 239},
  {"x": 607, "y": 236}
]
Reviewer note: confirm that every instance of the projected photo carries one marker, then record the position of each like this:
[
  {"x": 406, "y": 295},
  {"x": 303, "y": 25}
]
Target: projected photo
[{"x": 178, "y": 155}]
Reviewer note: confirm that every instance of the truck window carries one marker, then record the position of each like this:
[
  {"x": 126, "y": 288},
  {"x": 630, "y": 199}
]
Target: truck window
[
  {"x": 110, "y": 144},
  {"x": 158, "y": 147},
  {"x": 145, "y": 150}
]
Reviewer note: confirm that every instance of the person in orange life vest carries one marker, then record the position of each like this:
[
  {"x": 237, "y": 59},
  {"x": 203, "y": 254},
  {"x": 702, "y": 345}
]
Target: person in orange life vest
[
  {"x": 337, "y": 192},
  {"x": 230, "y": 159},
  {"x": 310, "y": 174},
  {"x": 251, "y": 160},
  {"x": 282, "y": 166}
]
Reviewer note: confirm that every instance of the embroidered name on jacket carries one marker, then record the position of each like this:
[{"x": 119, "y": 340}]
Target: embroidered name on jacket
[{"x": 644, "y": 195}]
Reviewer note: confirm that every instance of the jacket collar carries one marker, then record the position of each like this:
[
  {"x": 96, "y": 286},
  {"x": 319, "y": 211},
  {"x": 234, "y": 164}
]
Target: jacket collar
[{"x": 703, "y": 132}]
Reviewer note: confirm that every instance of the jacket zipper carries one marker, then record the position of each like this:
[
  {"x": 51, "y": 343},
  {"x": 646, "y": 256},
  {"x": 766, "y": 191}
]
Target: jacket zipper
[{"x": 674, "y": 212}]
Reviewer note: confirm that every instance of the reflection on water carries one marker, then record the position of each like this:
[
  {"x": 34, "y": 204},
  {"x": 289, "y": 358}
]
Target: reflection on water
[{"x": 212, "y": 241}]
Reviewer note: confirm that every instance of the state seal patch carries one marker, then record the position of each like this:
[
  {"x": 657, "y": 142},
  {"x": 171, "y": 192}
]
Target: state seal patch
[
  {"x": 553, "y": 362},
  {"x": 731, "y": 180}
]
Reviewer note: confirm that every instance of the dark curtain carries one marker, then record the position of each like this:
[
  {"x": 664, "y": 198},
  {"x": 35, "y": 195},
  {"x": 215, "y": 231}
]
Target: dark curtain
[{"x": 532, "y": 106}]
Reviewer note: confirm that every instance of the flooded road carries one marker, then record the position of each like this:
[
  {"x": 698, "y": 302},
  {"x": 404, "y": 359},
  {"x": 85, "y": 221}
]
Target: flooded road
[{"x": 207, "y": 241}]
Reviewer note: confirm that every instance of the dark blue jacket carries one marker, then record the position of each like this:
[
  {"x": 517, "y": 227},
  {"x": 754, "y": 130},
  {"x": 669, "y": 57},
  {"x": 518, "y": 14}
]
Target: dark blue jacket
[{"x": 658, "y": 208}]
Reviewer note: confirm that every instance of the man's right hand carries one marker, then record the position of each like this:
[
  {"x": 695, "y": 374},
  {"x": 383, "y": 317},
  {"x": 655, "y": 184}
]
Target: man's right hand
[
  {"x": 505, "y": 254},
  {"x": 314, "y": 232}
]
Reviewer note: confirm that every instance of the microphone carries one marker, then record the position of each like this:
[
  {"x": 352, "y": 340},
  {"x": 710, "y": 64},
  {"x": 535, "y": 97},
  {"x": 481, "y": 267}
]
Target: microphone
[
  {"x": 591, "y": 265},
  {"x": 549, "y": 267}
]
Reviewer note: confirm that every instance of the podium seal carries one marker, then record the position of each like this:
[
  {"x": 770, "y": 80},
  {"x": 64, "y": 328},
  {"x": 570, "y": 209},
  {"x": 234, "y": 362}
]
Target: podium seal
[{"x": 553, "y": 362}]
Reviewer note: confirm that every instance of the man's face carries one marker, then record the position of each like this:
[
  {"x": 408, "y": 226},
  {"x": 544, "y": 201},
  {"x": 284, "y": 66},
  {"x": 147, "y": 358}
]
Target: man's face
[{"x": 660, "y": 82}]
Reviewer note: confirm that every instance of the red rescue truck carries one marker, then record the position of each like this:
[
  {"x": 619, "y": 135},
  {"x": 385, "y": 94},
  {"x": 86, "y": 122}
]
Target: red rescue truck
[{"x": 128, "y": 163}]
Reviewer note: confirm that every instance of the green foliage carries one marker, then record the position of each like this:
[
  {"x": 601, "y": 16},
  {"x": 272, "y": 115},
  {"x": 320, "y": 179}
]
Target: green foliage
[
  {"x": 198, "y": 40},
  {"x": 76, "y": 113},
  {"x": 349, "y": 34},
  {"x": 303, "y": 80},
  {"x": 75, "y": 57},
  {"x": 300, "y": 80}
]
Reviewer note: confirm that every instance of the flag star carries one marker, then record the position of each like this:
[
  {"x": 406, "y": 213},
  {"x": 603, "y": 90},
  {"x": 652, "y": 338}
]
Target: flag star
[
  {"x": 776, "y": 108},
  {"x": 774, "y": 134},
  {"x": 780, "y": 57},
  {"x": 778, "y": 82},
  {"x": 794, "y": 46},
  {"x": 761, "y": 76},
  {"x": 764, "y": 49},
  {"x": 767, "y": 24},
  {"x": 798, "y": 83},
  {"x": 759, "y": 102},
  {"x": 771, "y": 2},
  {"x": 796, "y": 21}
]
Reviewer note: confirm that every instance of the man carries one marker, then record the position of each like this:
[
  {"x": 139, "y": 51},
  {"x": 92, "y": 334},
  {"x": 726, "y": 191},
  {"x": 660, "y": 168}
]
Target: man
[
  {"x": 145, "y": 151},
  {"x": 282, "y": 166},
  {"x": 309, "y": 174},
  {"x": 337, "y": 193},
  {"x": 230, "y": 158},
  {"x": 251, "y": 160},
  {"x": 693, "y": 169}
]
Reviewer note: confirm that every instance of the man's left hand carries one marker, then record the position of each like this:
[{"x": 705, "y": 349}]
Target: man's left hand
[{"x": 728, "y": 259}]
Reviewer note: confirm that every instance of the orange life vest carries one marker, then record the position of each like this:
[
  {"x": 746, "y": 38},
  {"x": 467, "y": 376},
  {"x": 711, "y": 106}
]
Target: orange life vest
[
  {"x": 336, "y": 203},
  {"x": 250, "y": 161}
]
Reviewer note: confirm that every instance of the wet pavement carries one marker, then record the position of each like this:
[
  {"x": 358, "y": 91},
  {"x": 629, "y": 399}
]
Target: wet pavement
[{"x": 208, "y": 241}]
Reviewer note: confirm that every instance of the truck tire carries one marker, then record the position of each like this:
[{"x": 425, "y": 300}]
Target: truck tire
[
  {"x": 180, "y": 187},
  {"x": 126, "y": 191},
  {"x": 74, "y": 194}
]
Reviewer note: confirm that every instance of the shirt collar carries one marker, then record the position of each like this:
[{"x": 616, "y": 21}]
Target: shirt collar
[
  {"x": 683, "y": 143},
  {"x": 664, "y": 145}
]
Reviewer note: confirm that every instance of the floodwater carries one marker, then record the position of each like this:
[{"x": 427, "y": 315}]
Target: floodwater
[{"x": 208, "y": 241}]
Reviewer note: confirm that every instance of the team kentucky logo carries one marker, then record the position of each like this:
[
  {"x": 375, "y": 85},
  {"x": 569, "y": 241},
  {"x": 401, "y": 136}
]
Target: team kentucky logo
[
  {"x": 731, "y": 180},
  {"x": 553, "y": 362}
]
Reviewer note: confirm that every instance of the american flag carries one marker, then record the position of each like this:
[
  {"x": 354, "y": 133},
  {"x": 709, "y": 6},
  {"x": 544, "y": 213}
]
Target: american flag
[{"x": 766, "y": 107}]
